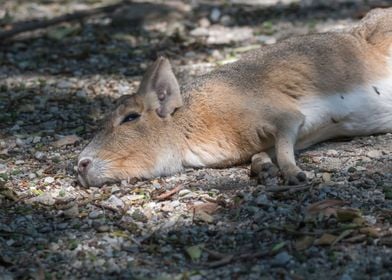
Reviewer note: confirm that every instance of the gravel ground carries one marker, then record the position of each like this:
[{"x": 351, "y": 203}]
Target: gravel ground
[{"x": 57, "y": 84}]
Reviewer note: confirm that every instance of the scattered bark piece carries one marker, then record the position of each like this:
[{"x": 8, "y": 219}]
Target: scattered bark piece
[{"x": 168, "y": 194}]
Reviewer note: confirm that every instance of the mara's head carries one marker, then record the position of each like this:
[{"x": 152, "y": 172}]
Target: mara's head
[{"x": 136, "y": 133}]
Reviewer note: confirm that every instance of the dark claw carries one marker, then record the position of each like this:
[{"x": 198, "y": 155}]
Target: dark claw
[
  {"x": 292, "y": 180},
  {"x": 301, "y": 176}
]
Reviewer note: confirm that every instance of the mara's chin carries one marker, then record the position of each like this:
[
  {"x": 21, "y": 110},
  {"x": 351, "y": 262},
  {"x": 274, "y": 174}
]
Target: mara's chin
[{"x": 95, "y": 182}]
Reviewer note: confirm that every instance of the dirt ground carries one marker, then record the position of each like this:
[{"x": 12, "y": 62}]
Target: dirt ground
[{"x": 57, "y": 84}]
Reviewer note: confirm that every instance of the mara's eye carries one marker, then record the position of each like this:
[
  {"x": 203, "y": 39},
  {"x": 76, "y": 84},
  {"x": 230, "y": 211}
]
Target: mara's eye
[{"x": 130, "y": 117}]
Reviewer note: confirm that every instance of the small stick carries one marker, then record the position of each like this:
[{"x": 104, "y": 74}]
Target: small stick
[
  {"x": 225, "y": 259},
  {"x": 109, "y": 207},
  {"x": 287, "y": 188},
  {"x": 168, "y": 194},
  {"x": 221, "y": 262}
]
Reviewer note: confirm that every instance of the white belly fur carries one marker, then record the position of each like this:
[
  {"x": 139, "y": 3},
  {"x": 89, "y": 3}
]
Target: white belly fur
[{"x": 363, "y": 111}]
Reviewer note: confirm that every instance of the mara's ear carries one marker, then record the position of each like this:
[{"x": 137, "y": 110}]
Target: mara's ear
[{"x": 159, "y": 89}]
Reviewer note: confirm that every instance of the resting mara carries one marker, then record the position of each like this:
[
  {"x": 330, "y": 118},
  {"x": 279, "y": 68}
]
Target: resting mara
[{"x": 289, "y": 95}]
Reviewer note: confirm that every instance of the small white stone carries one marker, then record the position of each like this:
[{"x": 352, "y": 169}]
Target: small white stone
[
  {"x": 215, "y": 14},
  {"x": 94, "y": 214},
  {"x": 49, "y": 180},
  {"x": 36, "y": 139},
  {"x": 14, "y": 128},
  {"x": 374, "y": 154},
  {"x": 19, "y": 142},
  {"x": 65, "y": 84},
  {"x": 326, "y": 177},
  {"x": 115, "y": 202},
  {"x": 39, "y": 155},
  {"x": 3, "y": 168}
]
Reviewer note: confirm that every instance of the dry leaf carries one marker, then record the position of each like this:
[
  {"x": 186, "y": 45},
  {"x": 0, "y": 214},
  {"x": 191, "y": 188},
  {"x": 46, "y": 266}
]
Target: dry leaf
[
  {"x": 194, "y": 252},
  {"x": 370, "y": 231},
  {"x": 203, "y": 216},
  {"x": 208, "y": 207},
  {"x": 304, "y": 243},
  {"x": 326, "y": 239},
  {"x": 347, "y": 214},
  {"x": 321, "y": 206},
  {"x": 359, "y": 221},
  {"x": 343, "y": 235},
  {"x": 356, "y": 238},
  {"x": 67, "y": 140}
]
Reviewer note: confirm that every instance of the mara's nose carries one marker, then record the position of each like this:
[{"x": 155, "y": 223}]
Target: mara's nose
[{"x": 83, "y": 165}]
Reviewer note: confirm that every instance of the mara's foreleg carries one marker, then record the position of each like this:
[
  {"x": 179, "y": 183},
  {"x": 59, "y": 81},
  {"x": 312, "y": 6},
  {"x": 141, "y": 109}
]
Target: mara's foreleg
[{"x": 287, "y": 126}]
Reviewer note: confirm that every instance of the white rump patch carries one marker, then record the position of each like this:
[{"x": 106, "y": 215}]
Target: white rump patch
[{"x": 363, "y": 111}]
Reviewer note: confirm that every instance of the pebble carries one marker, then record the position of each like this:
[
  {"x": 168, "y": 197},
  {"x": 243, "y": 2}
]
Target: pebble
[
  {"x": 3, "y": 168},
  {"x": 139, "y": 216},
  {"x": 48, "y": 180},
  {"x": 62, "y": 225},
  {"x": 45, "y": 198},
  {"x": 39, "y": 155},
  {"x": 204, "y": 23},
  {"x": 351, "y": 169},
  {"x": 281, "y": 259},
  {"x": 65, "y": 84},
  {"x": 36, "y": 139},
  {"x": 184, "y": 192},
  {"x": 262, "y": 200},
  {"x": 72, "y": 212},
  {"x": 374, "y": 154},
  {"x": 215, "y": 15},
  {"x": 345, "y": 277},
  {"x": 114, "y": 201},
  {"x": 265, "y": 39},
  {"x": 103, "y": 228},
  {"x": 19, "y": 142},
  {"x": 94, "y": 214},
  {"x": 32, "y": 176},
  {"x": 226, "y": 20},
  {"x": 199, "y": 32},
  {"x": 167, "y": 206},
  {"x": 81, "y": 93},
  {"x": 15, "y": 128},
  {"x": 332, "y": 153},
  {"x": 326, "y": 177}
]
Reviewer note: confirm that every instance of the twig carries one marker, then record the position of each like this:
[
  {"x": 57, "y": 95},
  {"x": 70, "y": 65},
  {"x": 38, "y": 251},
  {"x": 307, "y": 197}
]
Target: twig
[
  {"x": 168, "y": 194},
  {"x": 225, "y": 259},
  {"x": 290, "y": 231},
  {"x": 214, "y": 254},
  {"x": 221, "y": 262},
  {"x": 21, "y": 27},
  {"x": 109, "y": 207},
  {"x": 315, "y": 233},
  {"x": 290, "y": 189}
]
